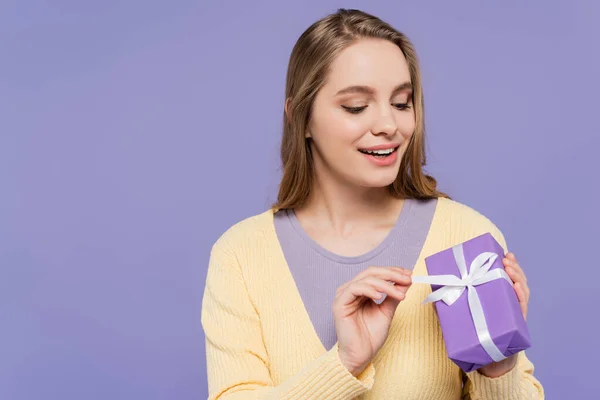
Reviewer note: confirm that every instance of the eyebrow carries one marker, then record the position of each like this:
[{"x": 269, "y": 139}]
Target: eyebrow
[{"x": 406, "y": 86}]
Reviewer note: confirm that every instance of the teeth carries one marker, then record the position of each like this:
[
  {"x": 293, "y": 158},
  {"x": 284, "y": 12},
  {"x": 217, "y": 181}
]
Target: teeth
[{"x": 386, "y": 151}]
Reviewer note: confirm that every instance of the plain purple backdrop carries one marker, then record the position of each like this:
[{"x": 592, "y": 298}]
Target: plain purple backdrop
[{"x": 133, "y": 133}]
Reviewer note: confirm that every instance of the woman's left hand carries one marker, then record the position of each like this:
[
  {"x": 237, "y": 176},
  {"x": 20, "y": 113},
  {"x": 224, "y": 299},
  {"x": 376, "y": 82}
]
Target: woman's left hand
[{"x": 515, "y": 272}]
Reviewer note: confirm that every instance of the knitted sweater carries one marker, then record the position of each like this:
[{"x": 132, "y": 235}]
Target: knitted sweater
[
  {"x": 318, "y": 272},
  {"x": 261, "y": 344}
]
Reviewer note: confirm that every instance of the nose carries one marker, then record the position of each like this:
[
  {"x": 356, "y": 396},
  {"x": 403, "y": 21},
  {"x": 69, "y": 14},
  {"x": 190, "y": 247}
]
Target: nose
[{"x": 385, "y": 124}]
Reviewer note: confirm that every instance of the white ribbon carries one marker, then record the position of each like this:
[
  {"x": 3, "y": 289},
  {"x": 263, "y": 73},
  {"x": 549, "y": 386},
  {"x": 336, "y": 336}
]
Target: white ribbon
[{"x": 453, "y": 287}]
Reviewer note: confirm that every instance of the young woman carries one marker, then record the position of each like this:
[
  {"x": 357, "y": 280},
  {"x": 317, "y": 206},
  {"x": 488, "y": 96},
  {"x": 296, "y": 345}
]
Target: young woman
[{"x": 298, "y": 302}]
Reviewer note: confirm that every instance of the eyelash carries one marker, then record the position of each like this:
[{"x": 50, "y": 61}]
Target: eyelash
[{"x": 358, "y": 110}]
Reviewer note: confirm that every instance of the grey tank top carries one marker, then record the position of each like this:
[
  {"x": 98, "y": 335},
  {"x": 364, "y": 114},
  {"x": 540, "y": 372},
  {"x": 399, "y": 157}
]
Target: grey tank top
[{"x": 318, "y": 272}]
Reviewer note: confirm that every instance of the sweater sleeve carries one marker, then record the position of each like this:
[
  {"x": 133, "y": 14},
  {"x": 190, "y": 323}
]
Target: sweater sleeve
[
  {"x": 237, "y": 362},
  {"x": 519, "y": 382}
]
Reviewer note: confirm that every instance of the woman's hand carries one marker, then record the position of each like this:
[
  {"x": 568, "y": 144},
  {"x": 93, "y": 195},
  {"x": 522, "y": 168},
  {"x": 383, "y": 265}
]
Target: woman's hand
[
  {"x": 362, "y": 325},
  {"x": 515, "y": 272}
]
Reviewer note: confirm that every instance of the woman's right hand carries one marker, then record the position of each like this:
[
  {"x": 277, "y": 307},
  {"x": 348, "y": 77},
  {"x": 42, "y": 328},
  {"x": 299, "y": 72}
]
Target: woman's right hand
[{"x": 361, "y": 324}]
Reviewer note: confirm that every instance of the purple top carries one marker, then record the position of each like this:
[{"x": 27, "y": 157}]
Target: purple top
[{"x": 318, "y": 272}]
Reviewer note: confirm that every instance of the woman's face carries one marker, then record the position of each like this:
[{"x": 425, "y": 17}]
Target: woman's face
[{"x": 365, "y": 106}]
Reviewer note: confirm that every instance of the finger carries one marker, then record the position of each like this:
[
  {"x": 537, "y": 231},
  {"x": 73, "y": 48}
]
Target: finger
[
  {"x": 389, "y": 305},
  {"x": 381, "y": 284},
  {"x": 384, "y": 287},
  {"x": 523, "y": 289},
  {"x": 363, "y": 289},
  {"x": 514, "y": 270},
  {"x": 526, "y": 290},
  {"x": 398, "y": 275},
  {"x": 513, "y": 263},
  {"x": 405, "y": 271},
  {"x": 391, "y": 275},
  {"x": 397, "y": 291},
  {"x": 523, "y": 298},
  {"x": 520, "y": 292},
  {"x": 513, "y": 274},
  {"x": 388, "y": 289},
  {"x": 375, "y": 269},
  {"x": 357, "y": 290}
]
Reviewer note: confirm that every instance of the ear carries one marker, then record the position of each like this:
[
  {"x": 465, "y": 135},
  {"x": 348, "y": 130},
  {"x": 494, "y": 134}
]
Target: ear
[{"x": 307, "y": 134}]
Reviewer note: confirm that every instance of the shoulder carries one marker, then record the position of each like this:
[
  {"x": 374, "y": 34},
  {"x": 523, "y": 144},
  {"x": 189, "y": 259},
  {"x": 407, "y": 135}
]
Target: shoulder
[
  {"x": 456, "y": 211},
  {"x": 244, "y": 233},
  {"x": 466, "y": 222}
]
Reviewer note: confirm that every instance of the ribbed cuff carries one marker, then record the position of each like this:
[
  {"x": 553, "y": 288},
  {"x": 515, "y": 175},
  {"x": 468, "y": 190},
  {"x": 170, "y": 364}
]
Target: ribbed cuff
[
  {"x": 340, "y": 381},
  {"x": 331, "y": 379},
  {"x": 365, "y": 379},
  {"x": 324, "y": 378},
  {"x": 504, "y": 387}
]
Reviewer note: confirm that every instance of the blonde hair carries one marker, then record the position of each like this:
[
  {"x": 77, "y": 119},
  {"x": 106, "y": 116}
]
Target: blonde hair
[{"x": 308, "y": 66}]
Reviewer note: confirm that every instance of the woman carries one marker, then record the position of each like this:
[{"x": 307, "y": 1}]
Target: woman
[{"x": 298, "y": 302}]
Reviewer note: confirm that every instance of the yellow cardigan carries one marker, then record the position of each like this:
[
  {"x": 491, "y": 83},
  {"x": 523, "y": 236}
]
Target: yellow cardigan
[{"x": 261, "y": 344}]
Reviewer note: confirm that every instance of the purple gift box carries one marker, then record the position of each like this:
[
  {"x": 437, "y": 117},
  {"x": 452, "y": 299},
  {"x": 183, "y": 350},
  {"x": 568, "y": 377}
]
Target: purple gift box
[{"x": 499, "y": 303}]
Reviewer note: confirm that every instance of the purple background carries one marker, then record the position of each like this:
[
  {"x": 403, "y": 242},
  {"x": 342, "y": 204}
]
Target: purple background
[{"x": 133, "y": 133}]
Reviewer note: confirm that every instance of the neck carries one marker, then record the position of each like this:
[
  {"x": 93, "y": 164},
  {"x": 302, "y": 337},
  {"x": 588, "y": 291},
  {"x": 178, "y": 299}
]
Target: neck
[{"x": 341, "y": 208}]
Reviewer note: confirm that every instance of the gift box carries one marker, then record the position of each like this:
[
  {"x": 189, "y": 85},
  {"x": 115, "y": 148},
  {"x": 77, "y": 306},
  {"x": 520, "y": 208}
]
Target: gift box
[{"x": 476, "y": 303}]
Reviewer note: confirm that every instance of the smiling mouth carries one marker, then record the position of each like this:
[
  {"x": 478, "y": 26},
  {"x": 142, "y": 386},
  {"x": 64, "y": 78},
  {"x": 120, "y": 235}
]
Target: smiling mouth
[{"x": 380, "y": 153}]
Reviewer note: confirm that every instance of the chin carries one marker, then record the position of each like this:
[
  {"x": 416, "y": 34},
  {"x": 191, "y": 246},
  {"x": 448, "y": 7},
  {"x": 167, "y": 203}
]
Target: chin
[{"x": 380, "y": 181}]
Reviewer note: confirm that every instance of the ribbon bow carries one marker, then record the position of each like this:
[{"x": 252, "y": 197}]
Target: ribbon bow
[{"x": 453, "y": 287}]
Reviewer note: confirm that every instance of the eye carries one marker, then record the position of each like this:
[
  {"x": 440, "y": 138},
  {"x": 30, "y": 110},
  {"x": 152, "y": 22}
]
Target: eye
[
  {"x": 402, "y": 106},
  {"x": 354, "y": 110},
  {"x": 357, "y": 110}
]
